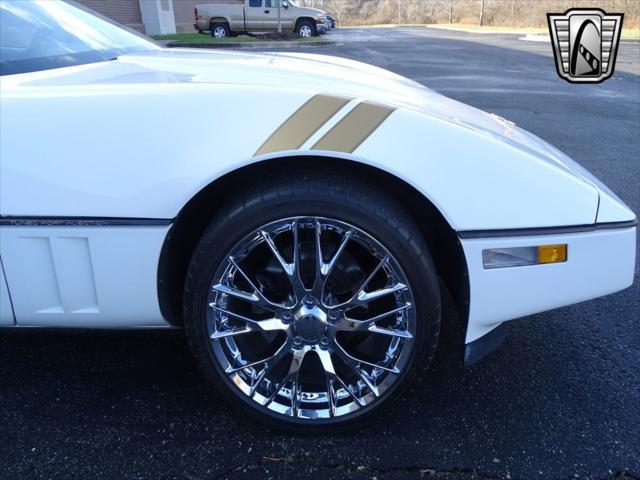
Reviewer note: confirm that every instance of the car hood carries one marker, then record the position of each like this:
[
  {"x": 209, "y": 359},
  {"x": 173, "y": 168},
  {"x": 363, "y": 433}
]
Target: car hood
[
  {"x": 294, "y": 71},
  {"x": 341, "y": 76},
  {"x": 318, "y": 73}
]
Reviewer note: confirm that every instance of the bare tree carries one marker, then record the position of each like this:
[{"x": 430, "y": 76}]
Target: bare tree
[{"x": 527, "y": 13}]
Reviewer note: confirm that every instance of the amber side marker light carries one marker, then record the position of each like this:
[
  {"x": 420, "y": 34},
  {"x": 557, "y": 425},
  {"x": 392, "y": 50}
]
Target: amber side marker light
[
  {"x": 552, "y": 253},
  {"x": 522, "y": 256}
]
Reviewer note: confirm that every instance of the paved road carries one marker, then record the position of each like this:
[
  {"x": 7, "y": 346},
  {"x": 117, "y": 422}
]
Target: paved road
[{"x": 561, "y": 398}]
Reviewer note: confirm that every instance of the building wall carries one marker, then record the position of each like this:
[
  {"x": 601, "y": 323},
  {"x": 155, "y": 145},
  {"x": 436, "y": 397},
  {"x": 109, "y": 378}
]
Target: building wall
[
  {"x": 157, "y": 16},
  {"x": 126, "y": 12},
  {"x": 183, "y": 12}
]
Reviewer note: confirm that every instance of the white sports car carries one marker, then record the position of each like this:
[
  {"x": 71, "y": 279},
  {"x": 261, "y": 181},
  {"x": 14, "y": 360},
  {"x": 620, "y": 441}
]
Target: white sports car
[{"x": 298, "y": 215}]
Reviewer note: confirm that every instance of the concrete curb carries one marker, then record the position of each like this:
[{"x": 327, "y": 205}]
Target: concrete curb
[{"x": 260, "y": 44}]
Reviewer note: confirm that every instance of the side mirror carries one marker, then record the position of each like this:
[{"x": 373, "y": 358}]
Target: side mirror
[{"x": 285, "y": 4}]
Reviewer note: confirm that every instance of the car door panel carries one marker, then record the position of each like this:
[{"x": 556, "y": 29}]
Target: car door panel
[
  {"x": 254, "y": 15},
  {"x": 271, "y": 16}
]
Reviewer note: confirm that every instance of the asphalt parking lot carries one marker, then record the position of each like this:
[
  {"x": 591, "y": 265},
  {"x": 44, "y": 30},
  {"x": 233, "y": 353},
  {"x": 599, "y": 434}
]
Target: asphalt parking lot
[{"x": 560, "y": 399}]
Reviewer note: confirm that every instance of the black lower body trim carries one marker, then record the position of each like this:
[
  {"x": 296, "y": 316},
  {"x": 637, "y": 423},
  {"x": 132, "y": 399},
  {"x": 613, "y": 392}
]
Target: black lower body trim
[
  {"x": 82, "y": 221},
  {"x": 483, "y": 346},
  {"x": 521, "y": 232}
]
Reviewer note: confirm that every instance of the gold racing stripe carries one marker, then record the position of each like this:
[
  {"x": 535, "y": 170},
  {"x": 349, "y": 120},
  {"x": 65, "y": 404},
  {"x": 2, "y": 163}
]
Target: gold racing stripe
[
  {"x": 303, "y": 123},
  {"x": 354, "y": 128}
]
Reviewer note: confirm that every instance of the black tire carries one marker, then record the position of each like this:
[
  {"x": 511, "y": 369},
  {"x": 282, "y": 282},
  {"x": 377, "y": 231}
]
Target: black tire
[
  {"x": 302, "y": 24},
  {"x": 221, "y": 27},
  {"x": 312, "y": 194}
]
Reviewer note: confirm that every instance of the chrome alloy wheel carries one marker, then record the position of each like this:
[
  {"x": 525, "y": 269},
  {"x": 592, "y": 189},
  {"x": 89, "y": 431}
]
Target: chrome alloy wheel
[{"x": 311, "y": 318}]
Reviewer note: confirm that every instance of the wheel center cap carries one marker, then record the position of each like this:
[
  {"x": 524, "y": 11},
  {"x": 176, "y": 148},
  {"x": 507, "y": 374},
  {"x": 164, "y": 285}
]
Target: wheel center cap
[{"x": 310, "y": 323}]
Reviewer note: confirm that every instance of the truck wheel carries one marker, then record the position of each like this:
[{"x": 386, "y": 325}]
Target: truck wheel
[
  {"x": 220, "y": 30},
  {"x": 306, "y": 29}
]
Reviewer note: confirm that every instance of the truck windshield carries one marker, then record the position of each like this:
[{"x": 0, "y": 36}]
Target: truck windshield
[{"x": 44, "y": 34}]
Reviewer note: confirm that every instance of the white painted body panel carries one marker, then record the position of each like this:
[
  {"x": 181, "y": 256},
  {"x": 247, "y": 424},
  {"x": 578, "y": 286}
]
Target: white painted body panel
[
  {"x": 95, "y": 277},
  {"x": 599, "y": 263},
  {"x": 140, "y": 136},
  {"x": 147, "y": 166}
]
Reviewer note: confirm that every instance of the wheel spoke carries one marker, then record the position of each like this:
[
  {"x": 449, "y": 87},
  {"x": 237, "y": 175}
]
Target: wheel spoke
[
  {"x": 381, "y": 264},
  {"x": 331, "y": 396},
  {"x": 296, "y": 278},
  {"x": 291, "y": 269},
  {"x": 234, "y": 292},
  {"x": 258, "y": 378},
  {"x": 291, "y": 376},
  {"x": 351, "y": 325},
  {"x": 296, "y": 247},
  {"x": 328, "y": 267},
  {"x": 256, "y": 291},
  {"x": 294, "y": 368},
  {"x": 323, "y": 269},
  {"x": 365, "y": 378},
  {"x": 318, "y": 284},
  {"x": 295, "y": 397},
  {"x": 267, "y": 325},
  {"x": 287, "y": 267},
  {"x": 390, "y": 331},
  {"x": 231, "y": 332},
  {"x": 356, "y": 299},
  {"x": 379, "y": 317},
  {"x": 364, "y": 297},
  {"x": 331, "y": 377},
  {"x": 268, "y": 362},
  {"x": 256, "y": 297},
  {"x": 326, "y": 361},
  {"x": 354, "y": 362}
]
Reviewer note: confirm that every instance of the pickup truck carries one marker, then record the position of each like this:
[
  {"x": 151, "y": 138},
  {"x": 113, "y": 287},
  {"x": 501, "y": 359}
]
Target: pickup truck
[{"x": 235, "y": 17}]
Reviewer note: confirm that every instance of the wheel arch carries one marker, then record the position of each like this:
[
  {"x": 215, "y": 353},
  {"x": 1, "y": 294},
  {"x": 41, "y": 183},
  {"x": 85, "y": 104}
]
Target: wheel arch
[
  {"x": 193, "y": 218},
  {"x": 219, "y": 20},
  {"x": 300, "y": 19}
]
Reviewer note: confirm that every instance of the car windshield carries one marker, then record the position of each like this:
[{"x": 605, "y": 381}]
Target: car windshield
[{"x": 44, "y": 34}]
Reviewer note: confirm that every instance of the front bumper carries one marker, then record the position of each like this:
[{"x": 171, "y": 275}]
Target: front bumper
[{"x": 600, "y": 262}]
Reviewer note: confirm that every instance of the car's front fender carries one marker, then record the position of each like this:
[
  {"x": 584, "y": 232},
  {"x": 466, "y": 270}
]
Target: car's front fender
[{"x": 174, "y": 140}]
